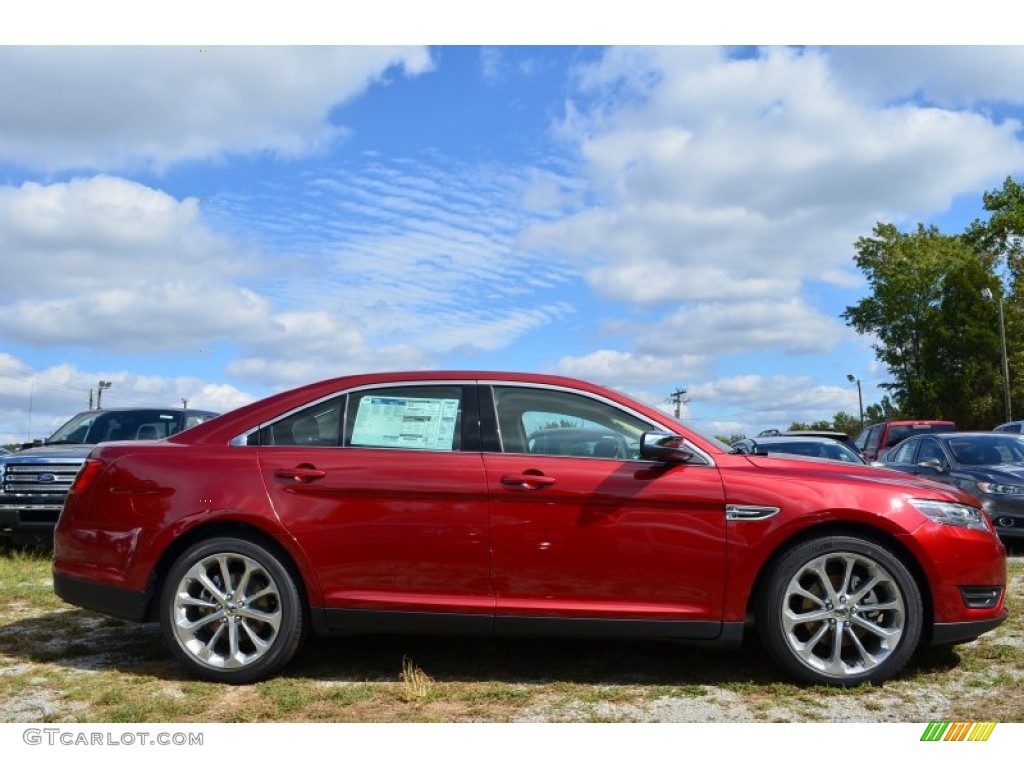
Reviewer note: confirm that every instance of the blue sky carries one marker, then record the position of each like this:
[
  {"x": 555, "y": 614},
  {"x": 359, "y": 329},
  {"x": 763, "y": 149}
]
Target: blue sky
[{"x": 216, "y": 223}]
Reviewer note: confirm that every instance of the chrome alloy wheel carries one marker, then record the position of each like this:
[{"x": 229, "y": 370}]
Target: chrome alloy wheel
[
  {"x": 226, "y": 611},
  {"x": 843, "y": 614}
]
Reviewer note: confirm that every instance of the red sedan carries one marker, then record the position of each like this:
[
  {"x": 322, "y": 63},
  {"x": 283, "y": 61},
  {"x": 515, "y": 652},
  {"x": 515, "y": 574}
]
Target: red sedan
[{"x": 514, "y": 504}]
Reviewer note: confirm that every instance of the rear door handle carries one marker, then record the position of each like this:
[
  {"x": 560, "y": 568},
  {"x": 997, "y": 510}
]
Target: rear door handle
[
  {"x": 304, "y": 473},
  {"x": 530, "y": 480}
]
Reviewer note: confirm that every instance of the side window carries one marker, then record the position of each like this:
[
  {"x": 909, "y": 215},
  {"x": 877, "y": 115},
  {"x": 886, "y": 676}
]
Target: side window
[
  {"x": 867, "y": 438},
  {"x": 903, "y": 454},
  {"x": 557, "y": 423},
  {"x": 409, "y": 417},
  {"x": 316, "y": 425},
  {"x": 930, "y": 449}
]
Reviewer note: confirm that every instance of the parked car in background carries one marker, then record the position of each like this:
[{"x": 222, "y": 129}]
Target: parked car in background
[
  {"x": 433, "y": 502},
  {"x": 841, "y": 437},
  {"x": 988, "y": 465},
  {"x": 35, "y": 480},
  {"x": 813, "y": 447},
  {"x": 1014, "y": 427},
  {"x": 876, "y": 439}
]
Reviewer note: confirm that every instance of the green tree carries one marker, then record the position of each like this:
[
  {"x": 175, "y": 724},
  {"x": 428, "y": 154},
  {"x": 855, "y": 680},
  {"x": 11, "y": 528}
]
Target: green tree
[
  {"x": 883, "y": 411},
  {"x": 934, "y": 333},
  {"x": 1002, "y": 237},
  {"x": 846, "y": 422}
]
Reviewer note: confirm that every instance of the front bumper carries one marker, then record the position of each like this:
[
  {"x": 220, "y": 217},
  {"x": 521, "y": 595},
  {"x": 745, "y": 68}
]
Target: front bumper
[
  {"x": 963, "y": 632},
  {"x": 1007, "y": 517},
  {"x": 29, "y": 518}
]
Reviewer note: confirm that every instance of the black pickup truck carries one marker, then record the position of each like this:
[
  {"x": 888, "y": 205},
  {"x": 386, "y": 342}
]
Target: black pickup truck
[{"x": 35, "y": 480}]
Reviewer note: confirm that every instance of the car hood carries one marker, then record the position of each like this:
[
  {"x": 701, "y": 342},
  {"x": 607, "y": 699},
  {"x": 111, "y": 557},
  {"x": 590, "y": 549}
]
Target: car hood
[
  {"x": 51, "y": 452},
  {"x": 825, "y": 469},
  {"x": 1003, "y": 473}
]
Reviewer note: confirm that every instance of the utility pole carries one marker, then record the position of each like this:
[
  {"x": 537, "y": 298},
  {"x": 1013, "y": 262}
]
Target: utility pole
[{"x": 679, "y": 398}]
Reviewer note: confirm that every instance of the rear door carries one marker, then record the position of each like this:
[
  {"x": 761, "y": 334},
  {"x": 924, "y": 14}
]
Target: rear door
[
  {"x": 594, "y": 537},
  {"x": 384, "y": 489}
]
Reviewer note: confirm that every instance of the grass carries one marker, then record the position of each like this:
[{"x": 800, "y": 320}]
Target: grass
[{"x": 62, "y": 664}]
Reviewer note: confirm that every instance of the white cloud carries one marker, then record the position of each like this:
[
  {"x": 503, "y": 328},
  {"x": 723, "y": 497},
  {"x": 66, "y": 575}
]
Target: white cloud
[
  {"x": 951, "y": 76},
  {"x": 33, "y": 403},
  {"x": 112, "y": 108},
  {"x": 614, "y": 368},
  {"x": 757, "y": 402},
  {"x": 116, "y": 264},
  {"x": 743, "y": 178},
  {"x": 709, "y": 329}
]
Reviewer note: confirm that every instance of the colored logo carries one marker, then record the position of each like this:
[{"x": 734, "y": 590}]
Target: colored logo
[
  {"x": 45, "y": 478},
  {"x": 946, "y": 731}
]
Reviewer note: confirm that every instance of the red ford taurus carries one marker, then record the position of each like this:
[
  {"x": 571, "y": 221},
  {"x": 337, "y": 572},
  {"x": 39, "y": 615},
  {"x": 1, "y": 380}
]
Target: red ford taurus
[{"x": 514, "y": 504}]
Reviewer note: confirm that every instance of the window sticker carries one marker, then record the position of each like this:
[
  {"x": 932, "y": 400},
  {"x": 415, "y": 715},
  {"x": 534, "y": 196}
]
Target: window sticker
[{"x": 406, "y": 422}]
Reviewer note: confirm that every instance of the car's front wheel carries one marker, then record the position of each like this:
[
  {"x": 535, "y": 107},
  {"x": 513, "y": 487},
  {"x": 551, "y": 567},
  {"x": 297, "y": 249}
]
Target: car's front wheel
[
  {"x": 231, "y": 611},
  {"x": 840, "y": 610}
]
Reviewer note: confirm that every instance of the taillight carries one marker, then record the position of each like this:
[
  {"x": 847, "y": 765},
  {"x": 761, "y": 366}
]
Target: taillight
[{"x": 89, "y": 472}]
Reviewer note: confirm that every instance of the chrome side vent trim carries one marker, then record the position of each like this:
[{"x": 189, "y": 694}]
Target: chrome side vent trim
[{"x": 747, "y": 512}]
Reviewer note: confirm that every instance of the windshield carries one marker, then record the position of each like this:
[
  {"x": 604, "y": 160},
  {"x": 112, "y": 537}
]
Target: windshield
[
  {"x": 93, "y": 427},
  {"x": 982, "y": 450}
]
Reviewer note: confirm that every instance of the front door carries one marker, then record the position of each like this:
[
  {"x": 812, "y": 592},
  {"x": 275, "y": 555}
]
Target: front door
[{"x": 583, "y": 529}]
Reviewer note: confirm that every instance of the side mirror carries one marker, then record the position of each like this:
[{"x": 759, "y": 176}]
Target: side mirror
[
  {"x": 933, "y": 464},
  {"x": 665, "y": 447}
]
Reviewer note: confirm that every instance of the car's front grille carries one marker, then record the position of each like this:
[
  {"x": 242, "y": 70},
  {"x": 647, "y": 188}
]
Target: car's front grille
[{"x": 28, "y": 481}]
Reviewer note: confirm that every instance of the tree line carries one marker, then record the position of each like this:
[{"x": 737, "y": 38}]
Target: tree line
[{"x": 934, "y": 313}]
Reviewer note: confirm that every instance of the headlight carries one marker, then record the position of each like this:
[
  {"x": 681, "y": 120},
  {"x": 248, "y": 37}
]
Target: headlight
[
  {"x": 1001, "y": 489},
  {"x": 950, "y": 513}
]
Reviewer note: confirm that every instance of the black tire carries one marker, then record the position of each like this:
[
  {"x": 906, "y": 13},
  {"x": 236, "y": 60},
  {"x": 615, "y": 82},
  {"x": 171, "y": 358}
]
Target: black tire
[
  {"x": 239, "y": 634},
  {"x": 840, "y": 587}
]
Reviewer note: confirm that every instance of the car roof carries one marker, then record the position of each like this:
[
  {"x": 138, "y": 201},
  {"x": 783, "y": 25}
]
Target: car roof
[{"x": 231, "y": 424}]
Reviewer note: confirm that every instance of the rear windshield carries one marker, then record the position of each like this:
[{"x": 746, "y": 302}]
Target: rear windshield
[
  {"x": 102, "y": 426},
  {"x": 900, "y": 432}
]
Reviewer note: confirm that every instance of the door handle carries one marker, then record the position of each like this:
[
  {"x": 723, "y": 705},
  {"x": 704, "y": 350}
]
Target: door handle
[
  {"x": 530, "y": 480},
  {"x": 304, "y": 473}
]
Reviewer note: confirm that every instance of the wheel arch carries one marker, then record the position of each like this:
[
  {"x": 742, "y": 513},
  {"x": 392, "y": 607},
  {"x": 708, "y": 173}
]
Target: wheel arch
[
  {"x": 846, "y": 528},
  {"x": 213, "y": 529}
]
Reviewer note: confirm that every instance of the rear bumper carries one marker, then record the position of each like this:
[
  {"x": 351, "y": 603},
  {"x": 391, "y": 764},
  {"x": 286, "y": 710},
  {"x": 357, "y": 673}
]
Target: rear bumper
[{"x": 125, "y": 604}]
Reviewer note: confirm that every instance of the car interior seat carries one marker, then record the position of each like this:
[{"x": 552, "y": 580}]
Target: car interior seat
[
  {"x": 606, "y": 448},
  {"x": 147, "y": 432}
]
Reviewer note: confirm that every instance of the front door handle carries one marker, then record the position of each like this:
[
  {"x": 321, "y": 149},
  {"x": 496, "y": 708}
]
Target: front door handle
[
  {"x": 530, "y": 480},
  {"x": 303, "y": 473}
]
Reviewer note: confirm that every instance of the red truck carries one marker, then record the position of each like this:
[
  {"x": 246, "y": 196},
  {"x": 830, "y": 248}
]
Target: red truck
[{"x": 876, "y": 439}]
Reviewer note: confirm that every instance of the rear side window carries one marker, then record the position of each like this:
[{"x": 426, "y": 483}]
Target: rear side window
[
  {"x": 868, "y": 438},
  {"x": 412, "y": 418},
  {"x": 316, "y": 425}
]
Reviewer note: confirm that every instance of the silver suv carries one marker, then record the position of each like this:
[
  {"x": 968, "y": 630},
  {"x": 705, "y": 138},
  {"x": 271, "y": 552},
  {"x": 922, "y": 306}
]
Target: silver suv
[{"x": 35, "y": 480}]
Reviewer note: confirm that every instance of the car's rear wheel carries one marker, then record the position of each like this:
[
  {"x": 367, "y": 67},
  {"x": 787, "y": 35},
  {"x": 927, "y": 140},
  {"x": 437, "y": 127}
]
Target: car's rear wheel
[
  {"x": 231, "y": 611},
  {"x": 840, "y": 610}
]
